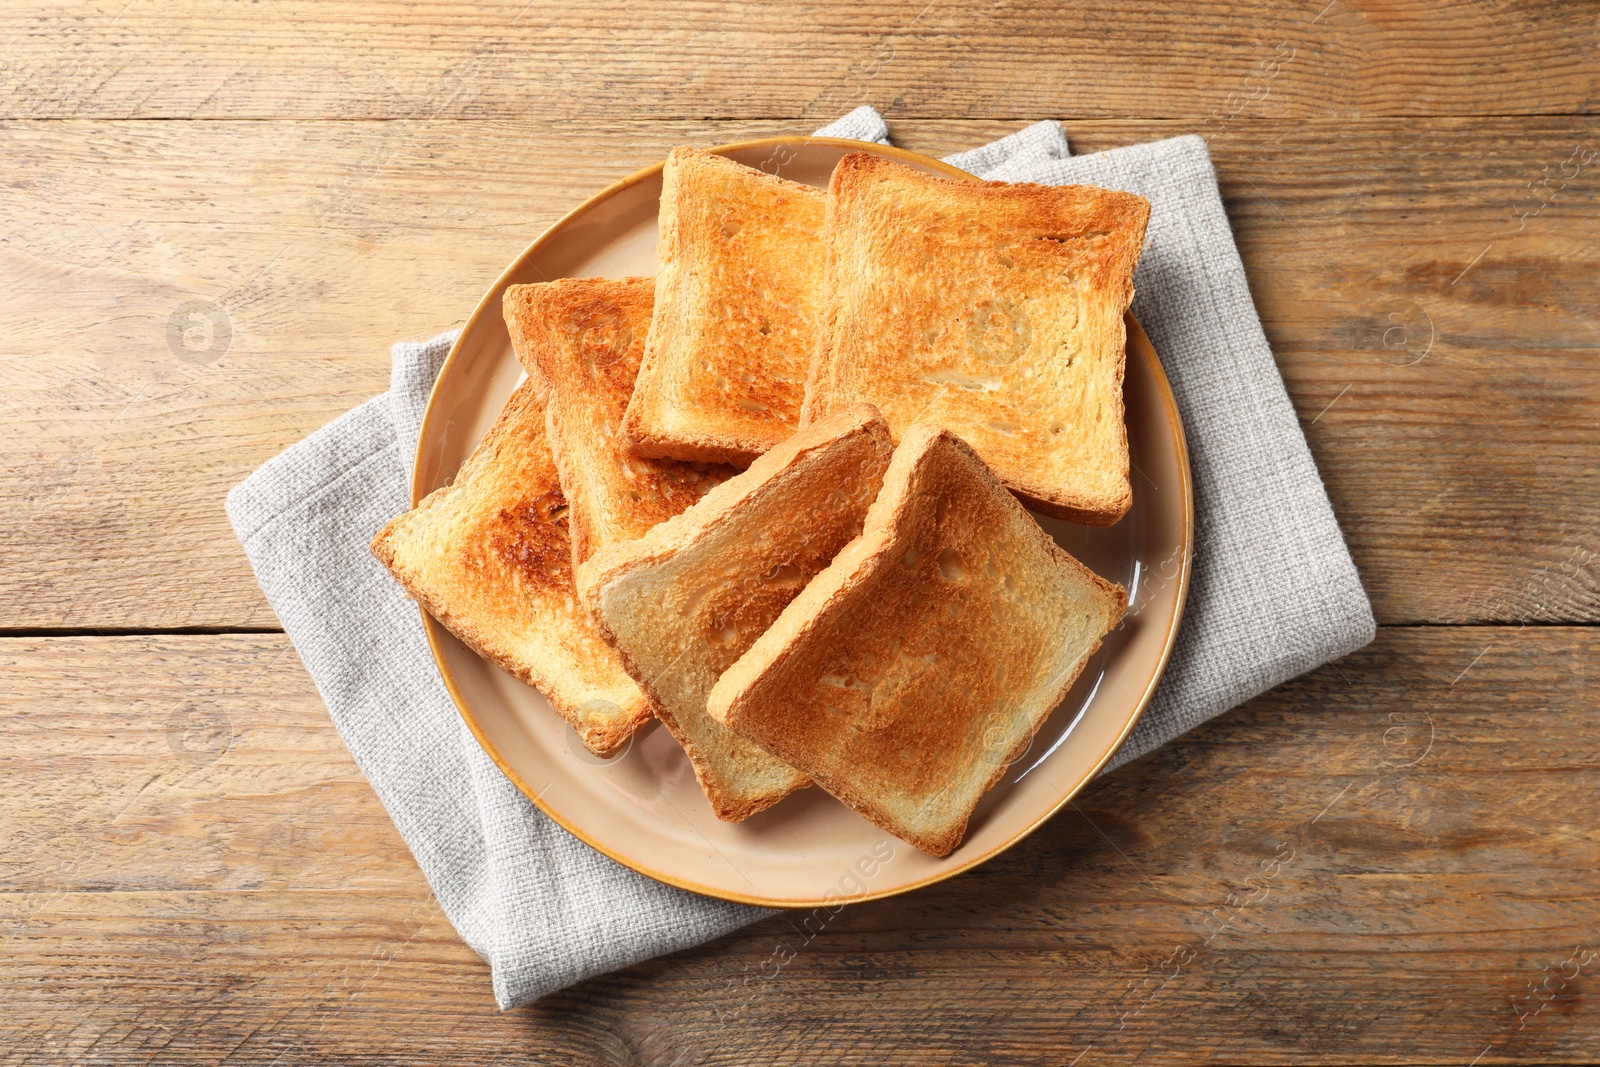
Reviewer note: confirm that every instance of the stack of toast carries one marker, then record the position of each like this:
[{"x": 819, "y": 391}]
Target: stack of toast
[{"x": 775, "y": 495}]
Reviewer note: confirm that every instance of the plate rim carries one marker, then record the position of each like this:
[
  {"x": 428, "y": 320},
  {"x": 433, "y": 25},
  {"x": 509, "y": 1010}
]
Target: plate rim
[{"x": 435, "y": 631}]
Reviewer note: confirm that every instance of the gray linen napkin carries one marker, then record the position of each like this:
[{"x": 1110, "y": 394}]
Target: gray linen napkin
[{"x": 1273, "y": 591}]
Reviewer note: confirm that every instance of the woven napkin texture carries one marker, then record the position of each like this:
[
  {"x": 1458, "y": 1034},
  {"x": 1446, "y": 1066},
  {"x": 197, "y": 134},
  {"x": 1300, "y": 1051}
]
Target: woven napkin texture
[{"x": 1273, "y": 591}]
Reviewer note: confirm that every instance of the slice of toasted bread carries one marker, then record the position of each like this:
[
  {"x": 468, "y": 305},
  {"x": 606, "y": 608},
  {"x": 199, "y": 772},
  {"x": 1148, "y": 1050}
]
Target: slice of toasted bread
[
  {"x": 683, "y": 602},
  {"x": 737, "y": 299},
  {"x": 910, "y": 673},
  {"x": 995, "y": 310},
  {"x": 584, "y": 337},
  {"x": 488, "y": 556}
]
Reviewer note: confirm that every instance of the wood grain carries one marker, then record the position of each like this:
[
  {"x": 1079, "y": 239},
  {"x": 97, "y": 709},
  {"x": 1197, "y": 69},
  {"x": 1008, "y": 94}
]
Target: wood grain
[
  {"x": 544, "y": 61},
  {"x": 1415, "y": 819},
  {"x": 1440, "y": 349},
  {"x": 1390, "y": 860}
]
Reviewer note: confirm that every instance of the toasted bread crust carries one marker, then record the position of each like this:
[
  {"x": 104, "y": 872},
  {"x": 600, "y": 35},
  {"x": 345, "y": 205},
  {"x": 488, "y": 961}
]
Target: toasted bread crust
[
  {"x": 994, "y": 309},
  {"x": 489, "y": 557},
  {"x": 912, "y": 671},
  {"x": 684, "y": 601},
  {"x": 584, "y": 338},
  {"x": 737, "y": 299}
]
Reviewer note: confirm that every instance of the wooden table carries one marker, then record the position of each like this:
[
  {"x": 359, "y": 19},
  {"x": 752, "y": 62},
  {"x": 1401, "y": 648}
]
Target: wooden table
[{"x": 218, "y": 216}]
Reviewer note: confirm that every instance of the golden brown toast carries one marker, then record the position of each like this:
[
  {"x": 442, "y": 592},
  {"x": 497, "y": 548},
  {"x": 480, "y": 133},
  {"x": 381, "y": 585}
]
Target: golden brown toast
[
  {"x": 908, "y": 675},
  {"x": 995, "y": 310},
  {"x": 684, "y": 601},
  {"x": 489, "y": 557},
  {"x": 584, "y": 337},
  {"x": 737, "y": 298}
]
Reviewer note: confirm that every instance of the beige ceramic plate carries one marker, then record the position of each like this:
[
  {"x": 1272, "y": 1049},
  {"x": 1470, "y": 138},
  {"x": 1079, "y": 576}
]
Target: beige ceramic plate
[{"x": 643, "y": 808}]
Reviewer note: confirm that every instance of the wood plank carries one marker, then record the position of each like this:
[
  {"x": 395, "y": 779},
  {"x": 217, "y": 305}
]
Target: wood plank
[
  {"x": 199, "y": 764},
  {"x": 1440, "y": 349},
  {"x": 540, "y": 61},
  {"x": 1389, "y": 860}
]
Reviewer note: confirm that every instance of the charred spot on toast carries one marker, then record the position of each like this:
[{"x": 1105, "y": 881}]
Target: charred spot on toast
[{"x": 531, "y": 539}]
